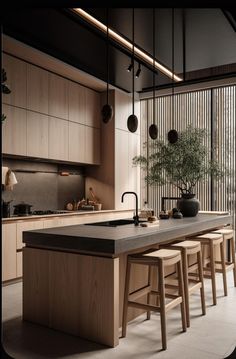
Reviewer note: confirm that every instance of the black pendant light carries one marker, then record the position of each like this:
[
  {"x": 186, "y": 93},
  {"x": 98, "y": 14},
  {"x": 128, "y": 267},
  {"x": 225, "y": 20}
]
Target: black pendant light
[
  {"x": 173, "y": 134},
  {"x": 153, "y": 130},
  {"x": 132, "y": 122},
  {"x": 107, "y": 110}
]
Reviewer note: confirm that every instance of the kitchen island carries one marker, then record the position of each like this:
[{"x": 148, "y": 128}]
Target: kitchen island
[{"x": 73, "y": 277}]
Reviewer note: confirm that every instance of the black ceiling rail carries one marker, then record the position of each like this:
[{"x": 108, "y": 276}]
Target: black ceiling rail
[{"x": 73, "y": 15}]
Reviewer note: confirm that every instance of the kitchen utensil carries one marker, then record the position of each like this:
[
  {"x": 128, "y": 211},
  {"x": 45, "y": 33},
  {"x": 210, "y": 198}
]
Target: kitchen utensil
[
  {"x": 22, "y": 209},
  {"x": 96, "y": 200}
]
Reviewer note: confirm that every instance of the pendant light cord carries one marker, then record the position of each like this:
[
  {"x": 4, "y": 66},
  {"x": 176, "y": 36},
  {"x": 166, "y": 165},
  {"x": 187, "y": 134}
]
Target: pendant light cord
[
  {"x": 153, "y": 78},
  {"x": 107, "y": 59},
  {"x": 184, "y": 43},
  {"x": 173, "y": 65},
  {"x": 133, "y": 58}
]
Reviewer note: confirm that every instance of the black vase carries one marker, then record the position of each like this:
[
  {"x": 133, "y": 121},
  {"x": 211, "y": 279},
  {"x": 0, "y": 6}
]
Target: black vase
[{"x": 188, "y": 205}]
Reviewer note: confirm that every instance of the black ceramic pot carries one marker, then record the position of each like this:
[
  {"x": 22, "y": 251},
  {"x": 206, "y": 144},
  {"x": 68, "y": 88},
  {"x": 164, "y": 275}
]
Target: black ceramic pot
[
  {"x": 22, "y": 209},
  {"x": 188, "y": 205}
]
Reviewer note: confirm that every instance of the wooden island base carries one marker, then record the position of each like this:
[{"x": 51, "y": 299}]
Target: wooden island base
[{"x": 81, "y": 293}]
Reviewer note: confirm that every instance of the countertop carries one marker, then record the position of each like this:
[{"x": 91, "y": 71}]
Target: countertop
[
  {"x": 121, "y": 239},
  {"x": 68, "y": 213}
]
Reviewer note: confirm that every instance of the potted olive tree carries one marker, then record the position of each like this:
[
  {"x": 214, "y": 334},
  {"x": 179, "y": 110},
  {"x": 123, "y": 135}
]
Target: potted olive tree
[{"x": 182, "y": 164}]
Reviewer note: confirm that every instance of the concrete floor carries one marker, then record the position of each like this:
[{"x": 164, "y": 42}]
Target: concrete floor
[{"x": 210, "y": 337}]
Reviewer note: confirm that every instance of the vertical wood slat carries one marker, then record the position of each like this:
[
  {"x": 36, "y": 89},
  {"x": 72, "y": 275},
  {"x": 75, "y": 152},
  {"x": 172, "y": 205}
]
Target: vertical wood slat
[{"x": 195, "y": 108}]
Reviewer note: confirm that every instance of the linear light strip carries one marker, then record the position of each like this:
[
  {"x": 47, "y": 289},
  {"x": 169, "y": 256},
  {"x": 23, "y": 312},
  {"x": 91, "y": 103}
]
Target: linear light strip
[{"x": 126, "y": 43}]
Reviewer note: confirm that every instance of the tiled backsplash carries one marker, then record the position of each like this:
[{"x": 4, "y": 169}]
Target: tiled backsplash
[{"x": 45, "y": 189}]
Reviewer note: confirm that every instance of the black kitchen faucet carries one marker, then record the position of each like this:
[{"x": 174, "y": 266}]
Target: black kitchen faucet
[{"x": 136, "y": 217}]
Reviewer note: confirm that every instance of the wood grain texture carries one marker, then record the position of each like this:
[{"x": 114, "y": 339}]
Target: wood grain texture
[
  {"x": 14, "y": 131},
  {"x": 26, "y": 226},
  {"x": 77, "y": 103},
  {"x": 8, "y": 251},
  {"x": 101, "y": 178},
  {"x": 77, "y": 148},
  {"x": 37, "y": 135},
  {"x": 92, "y": 145},
  {"x": 93, "y": 108},
  {"x": 58, "y": 96},
  {"x": 58, "y": 139},
  {"x": 77, "y": 294},
  {"x": 37, "y": 89},
  {"x": 16, "y": 80}
]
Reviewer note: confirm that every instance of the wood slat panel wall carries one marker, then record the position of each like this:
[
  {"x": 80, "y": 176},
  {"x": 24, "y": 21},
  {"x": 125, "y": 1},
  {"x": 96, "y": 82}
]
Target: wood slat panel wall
[{"x": 212, "y": 109}]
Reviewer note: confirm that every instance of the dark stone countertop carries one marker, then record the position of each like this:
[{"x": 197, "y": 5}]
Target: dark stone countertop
[{"x": 121, "y": 239}]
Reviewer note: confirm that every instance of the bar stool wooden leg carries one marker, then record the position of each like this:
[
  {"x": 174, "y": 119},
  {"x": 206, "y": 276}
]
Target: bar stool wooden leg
[
  {"x": 149, "y": 295},
  {"x": 200, "y": 273},
  {"x": 161, "y": 286},
  {"x": 126, "y": 295},
  {"x": 181, "y": 293},
  {"x": 213, "y": 273},
  {"x": 186, "y": 292},
  {"x": 222, "y": 257},
  {"x": 233, "y": 258}
]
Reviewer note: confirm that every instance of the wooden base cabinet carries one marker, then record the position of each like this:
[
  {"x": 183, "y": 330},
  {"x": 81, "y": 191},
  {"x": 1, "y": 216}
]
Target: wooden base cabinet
[
  {"x": 66, "y": 296},
  {"x": 9, "y": 251}
]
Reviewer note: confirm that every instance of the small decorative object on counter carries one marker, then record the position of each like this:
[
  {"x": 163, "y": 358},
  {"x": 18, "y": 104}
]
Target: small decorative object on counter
[
  {"x": 177, "y": 215},
  {"x": 97, "y": 206},
  {"x": 152, "y": 219},
  {"x": 69, "y": 206},
  {"x": 164, "y": 215}
]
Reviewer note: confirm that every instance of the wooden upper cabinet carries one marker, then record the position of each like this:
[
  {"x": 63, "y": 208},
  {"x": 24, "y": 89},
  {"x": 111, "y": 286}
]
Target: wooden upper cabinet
[
  {"x": 77, "y": 103},
  {"x": 37, "y": 89},
  {"x": 123, "y": 109},
  {"x": 16, "y": 81},
  {"x": 92, "y": 145},
  {"x": 58, "y": 96},
  {"x": 93, "y": 108},
  {"x": 58, "y": 139},
  {"x": 76, "y": 142},
  {"x": 37, "y": 135},
  {"x": 14, "y": 131},
  {"x": 8, "y": 251}
]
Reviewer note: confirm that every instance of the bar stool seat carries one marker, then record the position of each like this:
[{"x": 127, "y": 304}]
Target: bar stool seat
[
  {"x": 228, "y": 237},
  {"x": 211, "y": 240},
  {"x": 158, "y": 259},
  {"x": 188, "y": 248}
]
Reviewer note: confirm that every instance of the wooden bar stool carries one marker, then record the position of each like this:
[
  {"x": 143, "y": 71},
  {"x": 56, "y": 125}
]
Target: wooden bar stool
[
  {"x": 159, "y": 259},
  {"x": 188, "y": 248},
  {"x": 228, "y": 238},
  {"x": 211, "y": 240}
]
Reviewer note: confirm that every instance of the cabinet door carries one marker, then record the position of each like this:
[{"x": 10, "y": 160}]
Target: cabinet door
[
  {"x": 37, "y": 135},
  {"x": 93, "y": 108},
  {"x": 76, "y": 142},
  {"x": 58, "y": 96},
  {"x": 16, "y": 80},
  {"x": 26, "y": 226},
  {"x": 8, "y": 251},
  {"x": 14, "y": 131},
  {"x": 20, "y": 227},
  {"x": 92, "y": 145},
  {"x": 77, "y": 103},
  {"x": 37, "y": 89},
  {"x": 58, "y": 139}
]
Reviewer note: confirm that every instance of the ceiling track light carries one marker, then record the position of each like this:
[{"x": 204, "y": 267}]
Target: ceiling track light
[
  {"x": 130, "y": 67},
  {"x": 127, "y": 44},
  {"x": 138, "y": 71}
]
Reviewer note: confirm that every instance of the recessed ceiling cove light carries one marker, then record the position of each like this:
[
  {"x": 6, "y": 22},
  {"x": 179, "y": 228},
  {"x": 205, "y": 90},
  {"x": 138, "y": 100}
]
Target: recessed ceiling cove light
[{"x": 121, "y": 40}]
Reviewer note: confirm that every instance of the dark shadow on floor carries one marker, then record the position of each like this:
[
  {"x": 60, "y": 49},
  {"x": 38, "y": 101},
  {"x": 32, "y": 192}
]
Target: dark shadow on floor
[{"x": 28, "y": 338}]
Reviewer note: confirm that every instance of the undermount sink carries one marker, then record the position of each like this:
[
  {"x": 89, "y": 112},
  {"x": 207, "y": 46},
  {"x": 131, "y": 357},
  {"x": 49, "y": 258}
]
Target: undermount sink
[{"x": 113, "y": 223}]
